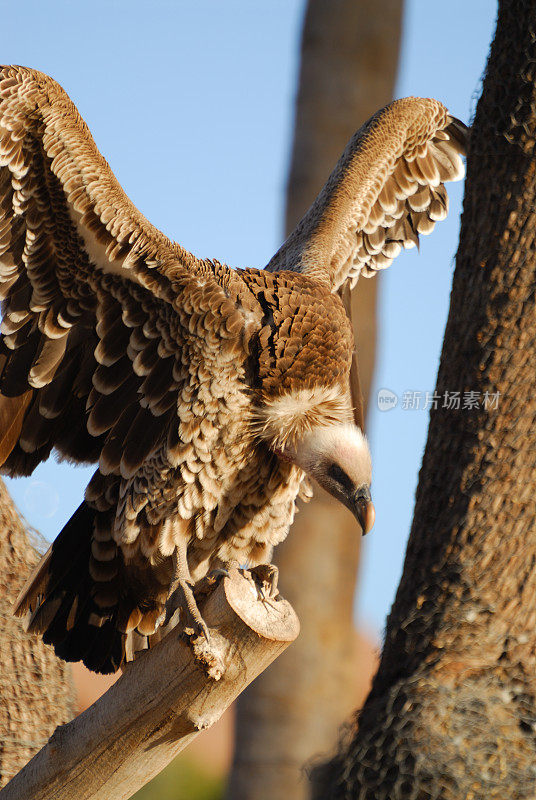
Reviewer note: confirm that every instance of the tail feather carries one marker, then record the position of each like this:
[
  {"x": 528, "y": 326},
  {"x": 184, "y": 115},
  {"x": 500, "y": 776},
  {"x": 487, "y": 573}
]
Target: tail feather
[
  {"x": 61, "y": 602},
  {"x": 38, "y": 620}
]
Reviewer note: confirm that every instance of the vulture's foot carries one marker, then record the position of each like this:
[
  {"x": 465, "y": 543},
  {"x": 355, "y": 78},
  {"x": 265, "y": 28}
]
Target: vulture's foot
[
  {"x": 265, "y": 578},
  {"x": 182, "y": 606},
  {"x": 182, "y": 599}
]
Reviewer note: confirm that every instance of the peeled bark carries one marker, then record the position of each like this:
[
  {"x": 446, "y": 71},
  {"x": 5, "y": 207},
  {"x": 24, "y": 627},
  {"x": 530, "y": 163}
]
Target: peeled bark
[
  {"x": 293, "y": 711},
  {"x": 36, "y": 690},
  {"x": 452, "y": 711}
]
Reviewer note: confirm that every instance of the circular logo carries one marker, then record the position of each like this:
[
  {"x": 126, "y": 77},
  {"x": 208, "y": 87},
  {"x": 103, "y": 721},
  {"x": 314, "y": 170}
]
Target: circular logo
[{"x": 386, "y": 400}]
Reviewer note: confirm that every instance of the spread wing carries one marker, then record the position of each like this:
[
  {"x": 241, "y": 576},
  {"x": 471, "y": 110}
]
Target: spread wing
[
  {"x": 102, "y": 314},
  {"x": 387, "y": 188}
]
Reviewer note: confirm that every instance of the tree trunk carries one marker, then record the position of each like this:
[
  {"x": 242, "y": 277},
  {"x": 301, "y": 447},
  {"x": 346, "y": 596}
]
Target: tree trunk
[
  {"x": 452, "y": 712},
  {"x": 292, "y": 712},
  {"x": 36, "y": 691}
]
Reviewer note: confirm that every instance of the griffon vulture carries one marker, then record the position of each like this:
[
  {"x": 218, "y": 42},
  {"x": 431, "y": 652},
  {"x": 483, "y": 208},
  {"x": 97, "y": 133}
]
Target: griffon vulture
[{"x": 205, "y": 396}]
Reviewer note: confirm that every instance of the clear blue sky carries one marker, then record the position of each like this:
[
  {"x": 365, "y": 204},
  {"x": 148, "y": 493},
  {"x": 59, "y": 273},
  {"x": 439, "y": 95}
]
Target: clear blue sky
[{"x": 192, "y": 105}]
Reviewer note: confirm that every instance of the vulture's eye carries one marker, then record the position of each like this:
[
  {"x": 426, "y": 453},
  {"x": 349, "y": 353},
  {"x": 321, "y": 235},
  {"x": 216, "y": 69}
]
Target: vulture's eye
[{"x": 338, "y": 475}]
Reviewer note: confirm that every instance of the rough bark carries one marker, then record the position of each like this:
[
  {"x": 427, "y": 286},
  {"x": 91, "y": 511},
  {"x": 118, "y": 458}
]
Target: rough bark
[
  {"x": 161, "y": 703},
  {"x": 36, "y": 691},
  {"x": 293, "y": 711},
  {"x": 452, "y": 711}
]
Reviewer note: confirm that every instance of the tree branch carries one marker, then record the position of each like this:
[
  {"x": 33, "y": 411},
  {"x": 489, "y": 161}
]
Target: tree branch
[{"x": 161, "y": 703}]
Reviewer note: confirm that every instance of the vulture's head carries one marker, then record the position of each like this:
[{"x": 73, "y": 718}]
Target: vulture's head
[
  {"x": 320, "y": 438},
  {"x": 337, "y": 456}
]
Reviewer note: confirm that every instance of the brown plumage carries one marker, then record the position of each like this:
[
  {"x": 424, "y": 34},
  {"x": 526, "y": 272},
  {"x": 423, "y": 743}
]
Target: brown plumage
[{"x": 204, "y": 395}]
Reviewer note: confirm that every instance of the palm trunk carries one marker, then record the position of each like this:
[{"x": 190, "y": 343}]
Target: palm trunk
[
  {"x": 452, "y": 711},
  {"x": 36, "y": 690},
  {"x": 293, "y": 710}
]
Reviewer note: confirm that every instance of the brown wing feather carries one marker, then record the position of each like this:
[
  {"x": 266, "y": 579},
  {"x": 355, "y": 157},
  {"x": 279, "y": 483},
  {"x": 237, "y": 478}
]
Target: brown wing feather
[
  {"x": 12, "y": 411},
  {"x": 387, "y": 188},
  {"x": 88, "y": 288}
]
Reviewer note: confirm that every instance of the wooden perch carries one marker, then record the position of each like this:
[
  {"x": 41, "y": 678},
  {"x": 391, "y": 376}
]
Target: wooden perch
[{"x": 161, "y": 703}]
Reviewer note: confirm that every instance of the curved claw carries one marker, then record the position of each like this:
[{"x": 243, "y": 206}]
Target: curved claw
[
  {"x": 265, "y": 578},
  {"x": 182, "y": 599}
]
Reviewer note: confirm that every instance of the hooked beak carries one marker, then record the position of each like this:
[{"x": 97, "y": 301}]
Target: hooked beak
[{"x": 362, "y": 508}]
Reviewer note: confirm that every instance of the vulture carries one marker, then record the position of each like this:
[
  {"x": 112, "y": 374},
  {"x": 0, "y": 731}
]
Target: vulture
[{"x": 206, "y": 397}]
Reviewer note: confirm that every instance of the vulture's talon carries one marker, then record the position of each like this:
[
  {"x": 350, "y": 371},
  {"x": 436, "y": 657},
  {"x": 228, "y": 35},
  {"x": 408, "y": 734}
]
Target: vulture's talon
[
  {"x": 265, "y": 578},
  {"x": 183, "y": 599}
]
